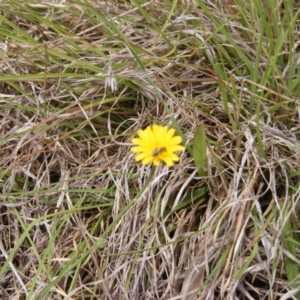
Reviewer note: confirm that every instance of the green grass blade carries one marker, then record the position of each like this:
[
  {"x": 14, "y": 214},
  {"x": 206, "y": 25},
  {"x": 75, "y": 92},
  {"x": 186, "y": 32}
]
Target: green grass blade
[
  {"x": 291, "y": 266},
  {"x": 200, "y": 151}
]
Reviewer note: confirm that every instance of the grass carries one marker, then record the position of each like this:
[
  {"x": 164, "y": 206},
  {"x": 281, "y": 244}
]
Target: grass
[{"x": 80, "y": 219}]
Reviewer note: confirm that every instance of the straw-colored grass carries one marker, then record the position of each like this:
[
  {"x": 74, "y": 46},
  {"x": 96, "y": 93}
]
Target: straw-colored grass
[{"x": 80, "y": 219}]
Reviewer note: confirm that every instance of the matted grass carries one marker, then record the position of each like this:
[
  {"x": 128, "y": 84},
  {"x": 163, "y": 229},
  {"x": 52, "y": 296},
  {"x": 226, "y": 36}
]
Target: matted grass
[{"x": 79, "y": 219}]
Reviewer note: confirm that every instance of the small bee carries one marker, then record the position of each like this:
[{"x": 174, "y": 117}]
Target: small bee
[{"x": 158, "y": 151}]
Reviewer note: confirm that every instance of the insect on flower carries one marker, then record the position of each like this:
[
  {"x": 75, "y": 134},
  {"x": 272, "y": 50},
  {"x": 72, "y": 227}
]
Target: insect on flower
[
  {"x": 157, "y": 144},
  {"x": 158, "y": 151}
]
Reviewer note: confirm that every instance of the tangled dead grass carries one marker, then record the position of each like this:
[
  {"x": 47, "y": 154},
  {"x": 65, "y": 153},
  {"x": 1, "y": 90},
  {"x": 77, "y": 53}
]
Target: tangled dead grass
[{"x": 79, "y": 219}]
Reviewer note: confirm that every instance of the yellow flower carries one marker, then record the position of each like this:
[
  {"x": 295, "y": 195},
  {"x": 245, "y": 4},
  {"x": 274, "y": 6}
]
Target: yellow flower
[{"x": 157, "y": 144}]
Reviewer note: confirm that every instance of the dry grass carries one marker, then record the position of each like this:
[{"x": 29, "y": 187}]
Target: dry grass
[{"x": 79, "y": 219}]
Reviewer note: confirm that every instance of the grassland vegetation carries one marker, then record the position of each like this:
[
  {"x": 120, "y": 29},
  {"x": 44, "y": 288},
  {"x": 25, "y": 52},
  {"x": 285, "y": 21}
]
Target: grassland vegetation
[{"x": 80, "y": 218}]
